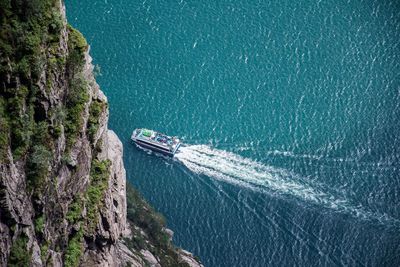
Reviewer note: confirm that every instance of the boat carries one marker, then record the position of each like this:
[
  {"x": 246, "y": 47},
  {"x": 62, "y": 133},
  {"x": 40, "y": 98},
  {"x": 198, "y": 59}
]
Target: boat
[{"x": 156, "y": 141}]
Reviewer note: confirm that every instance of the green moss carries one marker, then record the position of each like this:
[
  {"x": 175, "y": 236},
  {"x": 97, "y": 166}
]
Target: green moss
[
  {"x": 19, "y": 254},
  {"x": 74, "y": 250}
]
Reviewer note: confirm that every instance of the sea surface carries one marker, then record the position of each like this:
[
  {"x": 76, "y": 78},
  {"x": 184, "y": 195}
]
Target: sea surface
[{"x": 290, "y": 116}]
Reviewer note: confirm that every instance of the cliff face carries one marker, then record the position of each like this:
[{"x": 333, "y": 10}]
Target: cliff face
[{"x": 62, "y": 180}]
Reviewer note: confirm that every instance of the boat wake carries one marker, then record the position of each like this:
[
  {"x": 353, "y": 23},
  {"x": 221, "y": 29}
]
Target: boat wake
[{"x": 235, "y": 169}]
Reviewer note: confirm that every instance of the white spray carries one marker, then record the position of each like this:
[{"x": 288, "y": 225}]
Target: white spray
[{"x": 235, "y": 169}]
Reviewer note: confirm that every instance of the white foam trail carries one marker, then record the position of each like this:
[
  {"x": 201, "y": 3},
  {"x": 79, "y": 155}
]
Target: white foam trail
[{"x": 235, "y": 169}]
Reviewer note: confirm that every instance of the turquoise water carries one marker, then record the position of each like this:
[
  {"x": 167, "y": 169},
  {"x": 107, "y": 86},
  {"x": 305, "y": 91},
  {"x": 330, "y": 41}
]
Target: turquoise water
[{"x": 290, "y": 113}]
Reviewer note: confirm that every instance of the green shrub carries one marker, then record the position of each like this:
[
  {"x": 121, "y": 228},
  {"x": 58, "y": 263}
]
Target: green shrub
[
  {"x": 5, "y": 7},
  {"x": 23, "y": 29},
  {"x": 39, "y": 224},
  {"x": 66, "y": 159},
  {"x": 35, "y": 7},
  {"x": 37, "y": 63},
  {"x": 77, "y": 46},
  {"x": 20, "y": 120},
  {"x": 141, "y": 214},
  {"x": 75, "y": 210},
  {"x": 24, "y": 68},
  {"x": 78, "y": 94},
  {"x": 99, "y": 175},
  {"x": 95, "y": 110},
  {"x": 76, "y": 41},
  {"x": 41, "y": 133},
  {"x": 58, "y": 116},
  {"x": 37, "y": 167},
  {"x": 44, "y": 250},
  {"x": 76, "y": 99},
  {"x": 56, "y": 23},
  {"x": 4, "y": 132},
  {"x": 19, "y": 254},
  {"x": 57, "y": 131},
  {"x": 74, "y": 250},
  {"x": 5, "y": 48},
  {"x": 38, "y": 161},
  {"x": 32, "y": 43}
]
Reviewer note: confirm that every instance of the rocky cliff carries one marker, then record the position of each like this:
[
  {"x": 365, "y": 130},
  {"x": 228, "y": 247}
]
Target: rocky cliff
[{"x": 63, "y": 195}]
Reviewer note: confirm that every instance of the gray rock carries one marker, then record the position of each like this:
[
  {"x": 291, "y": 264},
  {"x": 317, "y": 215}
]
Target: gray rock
[
  {"x": 189, "y": 259},
  {"x": 150, "y": 259}
]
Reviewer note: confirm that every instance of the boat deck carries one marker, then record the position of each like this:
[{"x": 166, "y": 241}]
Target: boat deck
[{"x": 156, "y": 141}]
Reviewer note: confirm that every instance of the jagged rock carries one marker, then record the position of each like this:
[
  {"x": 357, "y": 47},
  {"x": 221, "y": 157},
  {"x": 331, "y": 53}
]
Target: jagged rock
[
  {"x": 189, "y": 259},
  {"x": 169, "y": 232},
  {"x": 127, "y": 257},
  {"x": 150, "y": 259},
  {"x": 112, "y": 221}
]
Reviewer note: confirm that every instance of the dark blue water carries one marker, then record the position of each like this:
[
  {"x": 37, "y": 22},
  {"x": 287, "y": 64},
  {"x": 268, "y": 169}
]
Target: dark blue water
[{"x": 291, "y": 116}]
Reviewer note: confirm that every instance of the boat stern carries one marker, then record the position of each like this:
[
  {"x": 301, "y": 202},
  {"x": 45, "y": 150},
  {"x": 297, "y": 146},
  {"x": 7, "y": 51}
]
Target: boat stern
[{"x": 177, "y": 146}]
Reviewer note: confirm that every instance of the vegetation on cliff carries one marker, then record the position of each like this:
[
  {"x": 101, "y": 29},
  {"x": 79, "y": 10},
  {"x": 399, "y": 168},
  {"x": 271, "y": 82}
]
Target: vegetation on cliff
[
  {"x": 19, "y": 256},
  {"x": 149, "y": 230},
  {"x": 31, "y": 60},
  {"x": 52, "y": 132},
  {"x": 28, "y": 34},
  {"x": 77, "y": 95}
]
